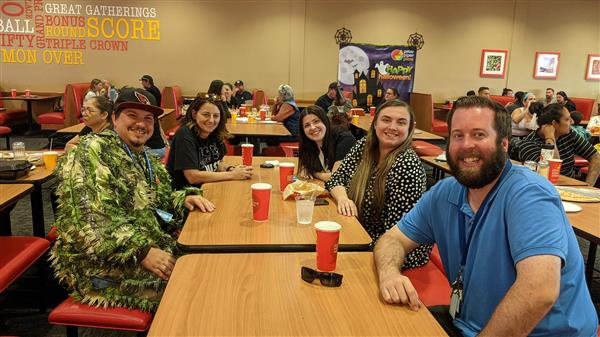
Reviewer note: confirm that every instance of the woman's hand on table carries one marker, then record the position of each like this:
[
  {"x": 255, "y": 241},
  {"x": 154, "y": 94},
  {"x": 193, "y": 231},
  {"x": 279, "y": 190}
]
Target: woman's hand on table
[{"x": 347, "y": 207}]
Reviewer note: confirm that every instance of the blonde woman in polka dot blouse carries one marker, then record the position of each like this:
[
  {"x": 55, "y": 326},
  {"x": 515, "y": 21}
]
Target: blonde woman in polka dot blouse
[{"x": 382, "y": 178}]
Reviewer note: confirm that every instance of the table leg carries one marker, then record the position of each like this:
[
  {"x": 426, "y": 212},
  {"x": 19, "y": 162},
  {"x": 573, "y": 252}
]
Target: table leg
[
  {"x": 5, "y": 228},
  {"x": 37, "y": 211},
  {"x": 591, "y": 261},
  {"x": 30, "y": 124}
]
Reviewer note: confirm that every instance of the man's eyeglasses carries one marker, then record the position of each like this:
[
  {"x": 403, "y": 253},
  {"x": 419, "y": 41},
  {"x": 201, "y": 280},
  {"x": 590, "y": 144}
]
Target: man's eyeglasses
[{"x": 327, "y": 279}]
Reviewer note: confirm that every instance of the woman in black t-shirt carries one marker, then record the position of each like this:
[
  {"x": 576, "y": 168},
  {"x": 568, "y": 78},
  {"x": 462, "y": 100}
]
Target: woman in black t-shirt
[
  {"x": 322, "y": 147},
  {"x": 198, "y": 147}
]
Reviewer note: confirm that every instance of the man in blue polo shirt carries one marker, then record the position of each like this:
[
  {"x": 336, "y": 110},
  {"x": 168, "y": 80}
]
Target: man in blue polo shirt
[{"x": 505, "y": 242}]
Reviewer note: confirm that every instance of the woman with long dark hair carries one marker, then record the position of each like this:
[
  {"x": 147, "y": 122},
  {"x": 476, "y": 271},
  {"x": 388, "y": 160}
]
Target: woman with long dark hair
[
  {"x": 198, "y": 147},
  {"x": 382, "y": 177},
  {"x": 564, "y": 100},
  {"x": 216, "y": 89},
  {"x": 322, "y": 147}
]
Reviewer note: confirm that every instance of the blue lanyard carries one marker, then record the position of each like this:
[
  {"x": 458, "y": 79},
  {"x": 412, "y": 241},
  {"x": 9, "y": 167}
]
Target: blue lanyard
[
  {"x": 147, "y": 163},
  {"x": 465, "y": 243}
]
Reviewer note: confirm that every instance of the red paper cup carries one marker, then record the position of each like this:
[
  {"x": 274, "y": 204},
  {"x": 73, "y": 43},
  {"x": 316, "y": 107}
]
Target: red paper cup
[
  {"x": 286, "y": 174},
  {"x": 247, "y": 150},
  {"x": 372, "y": 111},
  {"x": 263, "y": 115},
  {"x": 261, "y": 195},
  {"x": 13, "y": 92},
  {"x": 27, "y": 92},
  {"x": 328, "y": 236},
  {"x": 242, "y": 111},
  {"x": 554, "y": 170}
]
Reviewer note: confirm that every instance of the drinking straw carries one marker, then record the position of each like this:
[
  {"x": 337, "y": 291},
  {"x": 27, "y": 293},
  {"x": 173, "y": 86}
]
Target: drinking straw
[{"x": 51, "y": 139}]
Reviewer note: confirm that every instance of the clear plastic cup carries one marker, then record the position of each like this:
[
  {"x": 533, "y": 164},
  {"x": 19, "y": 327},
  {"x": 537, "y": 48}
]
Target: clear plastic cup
[
  {"x": 18, "y": 149},
  {"x": 305, "y": 206}
]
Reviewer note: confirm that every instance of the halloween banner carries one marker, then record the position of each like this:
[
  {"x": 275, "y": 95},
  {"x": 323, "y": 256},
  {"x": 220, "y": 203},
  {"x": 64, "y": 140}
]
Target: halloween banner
[{"x": 368, "y": 70}]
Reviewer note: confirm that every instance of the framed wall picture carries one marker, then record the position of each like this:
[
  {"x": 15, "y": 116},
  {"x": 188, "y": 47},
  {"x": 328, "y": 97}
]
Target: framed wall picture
[
  {"x": 592, "y": 70},
  {"x": 546, "y": 65},
  {"x": 493, "y": 63}
]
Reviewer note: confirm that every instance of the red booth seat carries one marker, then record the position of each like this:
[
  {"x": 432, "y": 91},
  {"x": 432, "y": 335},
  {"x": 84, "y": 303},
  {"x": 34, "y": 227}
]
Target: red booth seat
[
  {"x": 52, "y": 118},
  {"x": 587, "y": 107},
  {"x": 439, "y": 126},
  {"x": 503, "y": 100},
  {"x": 431, "y": 284},
  {"x": 71, "y": 114},
  {"x": 13, "y": 116},
  {"x": 425, "y": 149},
  {"x": 17, "y": 254},
  {"x": 75, "y": 314},
  {"x": 579, "y": 161}
]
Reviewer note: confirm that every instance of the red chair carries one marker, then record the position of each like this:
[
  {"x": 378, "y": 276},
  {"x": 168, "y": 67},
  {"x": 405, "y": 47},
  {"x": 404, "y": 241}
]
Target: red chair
[
  {"x": 17, "y": 254},
  {"x": 273, "y": 151},
  {"x": 230, "y": 148},
  {"x": 165, "y": 159},
  {"x": 171, "y": 132},
  {"x": 259, "y": 98},
  {"x": 71, "y": 114},
  {"x": 587, "y": 107},
  {"x": 425, "y": 149},
  {"x": 357, "y": 111},
  {"x": 431, "y": 284},
  {"x": 11, "y": 117},
  {"x": 437, "y": 259},
  {"x": 5, "y": 132},
  {"x": 290, "y": 148},
  {"x": 580, "y": 162},
  {"x": 503, "y": 100},
  {"x": 73, "y": 315}
]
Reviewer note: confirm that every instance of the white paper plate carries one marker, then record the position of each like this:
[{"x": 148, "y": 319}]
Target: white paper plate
[
  {"x": 441, "y": 157},
  {"x": 570, "y": 207},
  {"x": 418, "y": 131}
]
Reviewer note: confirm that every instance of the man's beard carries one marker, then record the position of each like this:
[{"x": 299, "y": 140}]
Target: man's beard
[{"x": 489, "y": 171}]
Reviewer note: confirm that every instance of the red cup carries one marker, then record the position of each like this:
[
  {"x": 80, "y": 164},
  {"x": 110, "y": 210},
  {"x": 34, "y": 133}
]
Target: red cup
[
  {"x": 372, "y": 111},
  {"x": 242, "y": 111},
  {"x": 263, "y": 115},
  {"x": 328, "y": 237},
  {"x": 261, "y": 195},
  {"x": 554, "y": 170},
  {"x": 27, "y": 92},
  {"x": 286, "y": 174},
  {"x": 13, "y": 92},
  {"x": 247, "y": 150}
]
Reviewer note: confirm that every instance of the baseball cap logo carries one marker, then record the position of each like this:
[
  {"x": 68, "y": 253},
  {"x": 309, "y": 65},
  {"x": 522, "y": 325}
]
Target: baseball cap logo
[{"x": 141, "y": 98}]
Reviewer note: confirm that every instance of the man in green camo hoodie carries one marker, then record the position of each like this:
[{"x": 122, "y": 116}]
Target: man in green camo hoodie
[{"x": 118, "y": 215}]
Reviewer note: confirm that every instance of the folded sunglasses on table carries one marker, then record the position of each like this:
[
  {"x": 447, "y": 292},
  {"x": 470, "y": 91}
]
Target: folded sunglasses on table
[{"x": 327, "y": 279}]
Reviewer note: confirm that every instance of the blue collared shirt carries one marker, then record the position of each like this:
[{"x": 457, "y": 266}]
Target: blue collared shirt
[{"x": 523, "y": 217}]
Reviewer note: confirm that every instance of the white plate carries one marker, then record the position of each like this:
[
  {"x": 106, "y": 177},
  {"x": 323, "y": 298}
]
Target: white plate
[
  {"x": 441, "y": 157},
  {"x": 570, "y": 207},
  {"x": 418, "y": 131}
]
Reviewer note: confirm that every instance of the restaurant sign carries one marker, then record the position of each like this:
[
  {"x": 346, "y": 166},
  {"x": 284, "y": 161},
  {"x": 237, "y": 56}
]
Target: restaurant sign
[{"x": 38, "y": 32}]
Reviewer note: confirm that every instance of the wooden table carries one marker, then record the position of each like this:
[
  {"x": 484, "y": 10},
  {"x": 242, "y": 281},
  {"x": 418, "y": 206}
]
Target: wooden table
[
  {"x": 230, "y": 227},
  {"x": 29, "y": 100},
  {"x": 263, "y": 295},
  {"x": 441, "y": 167},
  {"x": 587, "y": 225},
  {"x": 9, "y": 195},
  {"x": 257, "y": 128},
  {"x": 37, "y": 178},
  {"x": 167, "y": 120},
  {"x": 364, "y": 122}
]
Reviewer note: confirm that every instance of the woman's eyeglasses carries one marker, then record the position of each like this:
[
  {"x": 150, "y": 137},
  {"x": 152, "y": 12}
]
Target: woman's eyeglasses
[{"x": 326, "y": 279}]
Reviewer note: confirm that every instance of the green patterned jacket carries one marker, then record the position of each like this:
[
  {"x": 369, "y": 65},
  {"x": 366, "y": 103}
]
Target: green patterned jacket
[{"x": 106, "y": 217}]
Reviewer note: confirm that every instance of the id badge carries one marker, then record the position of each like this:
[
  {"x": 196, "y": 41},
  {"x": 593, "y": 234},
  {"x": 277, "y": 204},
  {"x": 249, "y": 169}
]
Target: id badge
[
  {"x": 455, "y": 299},
  {"x": 165, "y": 216}
]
